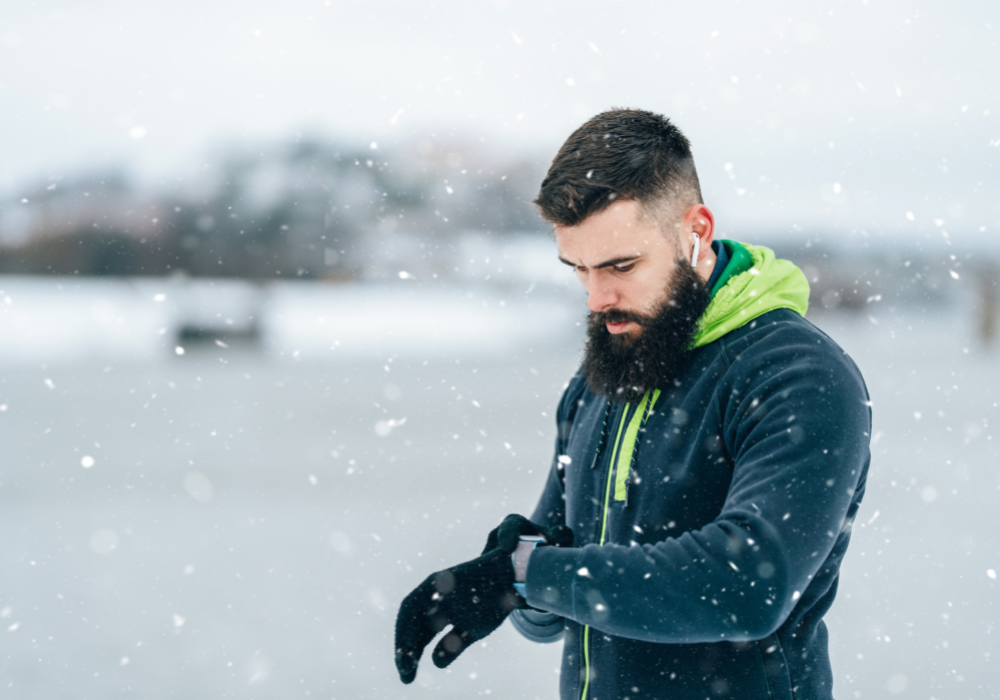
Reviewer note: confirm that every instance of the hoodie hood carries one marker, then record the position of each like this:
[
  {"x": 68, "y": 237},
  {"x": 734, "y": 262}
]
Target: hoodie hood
[{"x": 768, "y": 284}]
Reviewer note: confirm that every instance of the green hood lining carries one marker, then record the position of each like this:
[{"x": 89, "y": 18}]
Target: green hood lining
[
  {"x": 753, "y": 283},
  {"x": 740, "y": 261}
]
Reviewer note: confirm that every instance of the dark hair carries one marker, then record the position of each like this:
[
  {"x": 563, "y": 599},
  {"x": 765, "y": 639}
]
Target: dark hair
[{"x": 621, "y": 154}]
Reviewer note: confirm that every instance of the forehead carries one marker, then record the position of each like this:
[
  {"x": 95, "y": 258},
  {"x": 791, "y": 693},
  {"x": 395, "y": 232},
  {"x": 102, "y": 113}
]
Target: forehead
[{"x": 621, "y": 230}]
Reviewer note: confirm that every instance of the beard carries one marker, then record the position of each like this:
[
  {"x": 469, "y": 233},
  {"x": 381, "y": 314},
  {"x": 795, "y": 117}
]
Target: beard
[{"x": 623, "y": 366}]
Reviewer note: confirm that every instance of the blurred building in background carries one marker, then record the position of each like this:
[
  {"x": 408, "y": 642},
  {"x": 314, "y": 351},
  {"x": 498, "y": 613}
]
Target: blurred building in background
[{"x": 306, "y": 208}]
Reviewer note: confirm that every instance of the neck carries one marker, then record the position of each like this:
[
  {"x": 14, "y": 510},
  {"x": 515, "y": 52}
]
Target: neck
[{"x": 707, "y": 264}]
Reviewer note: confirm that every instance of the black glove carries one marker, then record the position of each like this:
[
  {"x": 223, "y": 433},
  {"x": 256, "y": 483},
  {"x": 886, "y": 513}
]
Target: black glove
[
  {"x": 513, "y": 526},
  {"x": 474, "y": 597}
]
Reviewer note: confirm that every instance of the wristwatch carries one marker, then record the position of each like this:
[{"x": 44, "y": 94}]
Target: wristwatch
[{"x": 519, "y": 586}]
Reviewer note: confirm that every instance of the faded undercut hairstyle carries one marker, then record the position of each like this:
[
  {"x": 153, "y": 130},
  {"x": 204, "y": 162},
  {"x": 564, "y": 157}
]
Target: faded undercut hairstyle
[{"x": 621, "y": 154}]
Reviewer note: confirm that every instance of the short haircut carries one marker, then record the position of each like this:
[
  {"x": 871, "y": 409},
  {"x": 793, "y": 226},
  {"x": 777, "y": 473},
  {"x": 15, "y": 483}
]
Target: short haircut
[{"x": 621, "y": 154}]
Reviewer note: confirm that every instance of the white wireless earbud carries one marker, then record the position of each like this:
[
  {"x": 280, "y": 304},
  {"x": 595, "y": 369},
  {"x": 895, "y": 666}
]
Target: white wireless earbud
[{"x": 694, "y": 254}]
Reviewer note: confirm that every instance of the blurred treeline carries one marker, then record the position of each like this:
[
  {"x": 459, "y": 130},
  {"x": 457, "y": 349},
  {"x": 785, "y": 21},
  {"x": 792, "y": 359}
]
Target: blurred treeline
[
  {"x": 322, "y": 209},
  {"x": 308, "y": 208}
]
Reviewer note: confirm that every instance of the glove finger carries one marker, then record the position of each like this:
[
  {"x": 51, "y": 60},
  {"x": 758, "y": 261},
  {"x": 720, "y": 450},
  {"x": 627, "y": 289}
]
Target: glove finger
[
  {"x": 511, "y": 529},
  {"x": 458, "y": 640},
  {"x": 491, "y": 540},
  {"x": 450, "y": 646},
  {"x": 418, "y": 621},
  {"x": 559, "y": 536}
]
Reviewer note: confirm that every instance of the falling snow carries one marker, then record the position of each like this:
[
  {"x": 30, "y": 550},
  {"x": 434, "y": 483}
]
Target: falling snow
[{"x": 206, "y": 476}]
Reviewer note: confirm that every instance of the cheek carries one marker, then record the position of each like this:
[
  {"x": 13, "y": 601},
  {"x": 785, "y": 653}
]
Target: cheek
[{"x": 647, "y": 295}]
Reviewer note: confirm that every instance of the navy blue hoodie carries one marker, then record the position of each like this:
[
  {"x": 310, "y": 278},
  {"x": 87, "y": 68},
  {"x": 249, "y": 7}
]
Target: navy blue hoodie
[{"x": 709, "y": 541}]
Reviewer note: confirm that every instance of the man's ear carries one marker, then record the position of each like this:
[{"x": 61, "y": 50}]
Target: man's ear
[{"x": 700, "y": 221}]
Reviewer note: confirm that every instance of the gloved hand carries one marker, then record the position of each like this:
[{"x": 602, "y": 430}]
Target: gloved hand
[
  {"x": 508, "y": 533},
  {"x": 474, "y": 597}
]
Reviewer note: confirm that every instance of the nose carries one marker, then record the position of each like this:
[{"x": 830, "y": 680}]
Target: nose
[{"x": 600, "y": 296}]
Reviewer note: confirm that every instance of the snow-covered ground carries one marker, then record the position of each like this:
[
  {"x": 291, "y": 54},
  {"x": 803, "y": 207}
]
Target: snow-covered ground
[
  {"x": 242, "y": 522},
  {"x": 85, "y": 320}
]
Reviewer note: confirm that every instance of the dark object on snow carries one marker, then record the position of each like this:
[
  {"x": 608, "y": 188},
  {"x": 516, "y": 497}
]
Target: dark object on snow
[{"x": 224, "y": 336}]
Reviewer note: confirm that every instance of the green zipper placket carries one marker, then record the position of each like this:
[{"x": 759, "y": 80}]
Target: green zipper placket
[{"x": 620, "y": 466}]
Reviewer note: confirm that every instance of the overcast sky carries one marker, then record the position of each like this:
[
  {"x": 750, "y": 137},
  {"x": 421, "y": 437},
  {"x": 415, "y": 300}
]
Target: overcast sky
[{"x": 837, "y": 115}]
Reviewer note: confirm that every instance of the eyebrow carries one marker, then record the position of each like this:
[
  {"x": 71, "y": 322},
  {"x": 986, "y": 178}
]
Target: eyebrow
[{"x": 608, "y": 263}]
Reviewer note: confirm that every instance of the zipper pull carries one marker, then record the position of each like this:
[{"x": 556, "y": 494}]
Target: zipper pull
[{"x": 601, "y": 443}]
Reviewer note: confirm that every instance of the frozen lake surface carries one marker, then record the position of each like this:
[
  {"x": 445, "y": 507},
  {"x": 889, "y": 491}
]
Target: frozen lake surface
[{"x": 240, "y": 523}]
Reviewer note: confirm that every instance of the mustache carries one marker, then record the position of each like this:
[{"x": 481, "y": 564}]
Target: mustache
[{"x": 600, "y": 318}]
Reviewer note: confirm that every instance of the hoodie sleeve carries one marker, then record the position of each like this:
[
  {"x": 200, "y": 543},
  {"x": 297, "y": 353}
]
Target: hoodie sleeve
[
  {"x": 538, "y": 625},
  {"x": 795, "y": 420}
]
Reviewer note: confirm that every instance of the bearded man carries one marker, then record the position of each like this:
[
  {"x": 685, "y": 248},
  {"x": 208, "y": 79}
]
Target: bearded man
[{"x": 712, "y": 453}]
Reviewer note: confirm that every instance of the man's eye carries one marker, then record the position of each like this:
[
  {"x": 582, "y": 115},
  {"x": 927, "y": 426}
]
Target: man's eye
[{"x": 624, "y": 268}]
